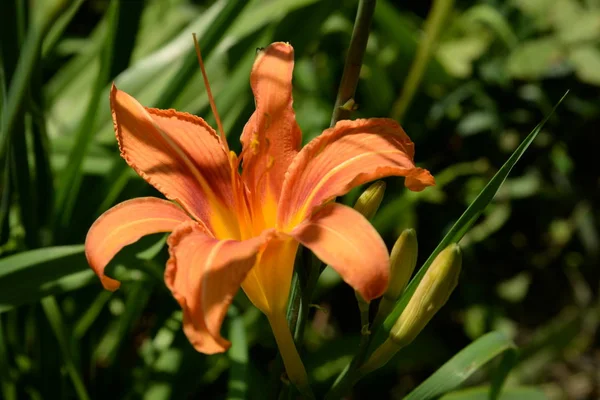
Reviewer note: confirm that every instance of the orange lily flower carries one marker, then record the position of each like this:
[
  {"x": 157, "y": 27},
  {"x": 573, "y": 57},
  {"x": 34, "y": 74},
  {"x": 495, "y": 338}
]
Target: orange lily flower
[{"x": 231, "y": 229}]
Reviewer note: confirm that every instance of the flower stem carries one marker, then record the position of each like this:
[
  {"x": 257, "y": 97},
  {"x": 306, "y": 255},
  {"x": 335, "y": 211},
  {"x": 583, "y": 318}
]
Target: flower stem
[
  {"x": 291, "y": 359},
  {"x": 433, "y": 25},
  {"x": 354, "y": 59}
]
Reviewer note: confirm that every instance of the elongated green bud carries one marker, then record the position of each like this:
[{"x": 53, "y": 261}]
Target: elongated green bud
[
  {"x": 369, "y": 201},
  {"x": 403, "y": 260},
  {"x": 432, "y": 293}
]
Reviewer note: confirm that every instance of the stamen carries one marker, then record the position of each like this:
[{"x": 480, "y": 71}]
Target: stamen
[{"x": 211, "y": 100}]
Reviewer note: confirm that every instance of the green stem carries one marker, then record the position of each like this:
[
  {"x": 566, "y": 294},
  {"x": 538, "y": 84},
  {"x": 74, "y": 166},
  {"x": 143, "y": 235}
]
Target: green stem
[
  {"x": 54, "y": 315},
  {"x": 354, "y": 59},
  {"x": 300, "y": 295},
  {"x": 291, "y": 359},
  {"x": 433, "y": 26}
]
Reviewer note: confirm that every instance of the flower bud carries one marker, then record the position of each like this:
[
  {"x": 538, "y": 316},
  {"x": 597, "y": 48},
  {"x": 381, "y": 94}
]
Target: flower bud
[
  {"x": 432, "y": 293},
  {"x": 370, "y": 200},
  {"x": 403, "y": 260},
  {"x": 402, "y": 264}
]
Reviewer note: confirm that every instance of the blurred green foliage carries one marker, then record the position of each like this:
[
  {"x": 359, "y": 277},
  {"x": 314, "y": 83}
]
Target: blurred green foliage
[{"x": 490, "y": 74}]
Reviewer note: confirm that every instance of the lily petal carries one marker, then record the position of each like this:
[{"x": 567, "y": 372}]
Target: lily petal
[
  {"x": 341, "y": 237},
  {"x": 272, "y": 137},
  {"x": 347, "y": 155},
  {"x": 180, "y": 155},
  {"x": 268, "y": 284},
  {"x": 204, "y": 273},
  {"x": 124, "y": 224}
]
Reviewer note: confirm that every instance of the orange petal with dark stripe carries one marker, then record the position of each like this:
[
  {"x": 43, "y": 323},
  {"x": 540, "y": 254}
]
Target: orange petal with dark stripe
[
  {"x": 342, "y": 237},
  {"x": 204, "y": 273},
  {"x": 345, "y": 156},
  {"x": 125, "y": 224}
]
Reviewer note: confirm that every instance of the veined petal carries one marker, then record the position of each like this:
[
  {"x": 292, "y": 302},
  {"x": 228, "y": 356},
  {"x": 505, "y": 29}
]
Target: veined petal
[
  {"x": 271, "y": 138},
  {"x": 204, "y": 273},
  {"x": 180, "y": 155},
  {"x": 341, "y": 237},
  {"x": 342, "y": 157},
  {"x": 124, "y": 224}
]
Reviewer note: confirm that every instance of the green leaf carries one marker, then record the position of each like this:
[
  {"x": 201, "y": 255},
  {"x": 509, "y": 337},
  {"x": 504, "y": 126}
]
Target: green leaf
[
  {"x": 55, "y": 318},
  {"x": 534, "y": 59},
  {"x": 464, "y": 364},
  {"x": 59, "y": 26},
  {"x": 483, "y": 393},
  {"x": 586, "y": 62},
  {"x": 72, "y": 175},
  {"x": 461, "y": 226},
  {"x": 27, "y": 60},
  {"x": 28, "y": 276},
  {"x": 490, "y": 16}
]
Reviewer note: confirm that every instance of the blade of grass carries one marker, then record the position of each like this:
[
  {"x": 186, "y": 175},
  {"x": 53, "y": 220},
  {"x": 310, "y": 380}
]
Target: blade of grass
[
  {"x": 237, "y": 387},
  {"x": 72, "y": 176},
  {"x": 43, "y": 184},
  {"x": 483, "y": 392},
  {"x": 28, "y": 276},
  {"x": 208, "y": 42},
  {"x": 91, "y": 314},
  {"x": 22, "y": 176},
  {"x": 433, "y": 26},
  {"x": 55, "y": 33},
  {"x": 52, "y": 311},
  {"x": 126, "y": 29},
  {"x": 9, "y": 389},
  {"x": 461, "y": 226},
  {"x": 464, "y": 364},
  {"x": 18, "y": 85},
  {"x": 138, "y": 295}
]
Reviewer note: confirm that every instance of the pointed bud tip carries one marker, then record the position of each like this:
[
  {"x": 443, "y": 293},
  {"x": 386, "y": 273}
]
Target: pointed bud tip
[
  {"x": 369, "y": 201},
  {"x": 403, "y": 261}
]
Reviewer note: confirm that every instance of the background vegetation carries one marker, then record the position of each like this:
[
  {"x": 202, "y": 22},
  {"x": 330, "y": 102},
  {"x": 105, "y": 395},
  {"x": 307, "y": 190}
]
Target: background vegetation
[{"x": 491, "y": 70}]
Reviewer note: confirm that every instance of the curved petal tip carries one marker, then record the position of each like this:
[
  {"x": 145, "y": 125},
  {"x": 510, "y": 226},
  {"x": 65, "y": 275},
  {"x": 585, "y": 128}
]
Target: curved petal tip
[{"x": 419, "y": 179}]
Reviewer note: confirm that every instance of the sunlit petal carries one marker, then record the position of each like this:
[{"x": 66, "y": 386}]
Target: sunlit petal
[
  {"x": 124, "y": 224},
  {"x": 271, "y": 138},
  {"x": 344, "y": 239},
  {"x": 347, "y": 155},
  {"x": 204, "y": 273},
  {"x": 180, "y": 155}
]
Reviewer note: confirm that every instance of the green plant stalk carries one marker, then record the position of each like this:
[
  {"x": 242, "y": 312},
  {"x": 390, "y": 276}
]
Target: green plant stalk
[
  {"x": 302, "y": 294},
  {"x": 25, "y": 66},
  {"x": 354, "y": 60},
  {"x": 433, "y": 26},
  {"x": 52, "y": 311}
]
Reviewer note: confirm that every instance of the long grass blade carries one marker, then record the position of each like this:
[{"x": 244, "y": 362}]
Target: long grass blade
[
  {"x": 54, "y": 315},
  {"x": 464, "y": 364},
  {"x": 461, "y": 226}
]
